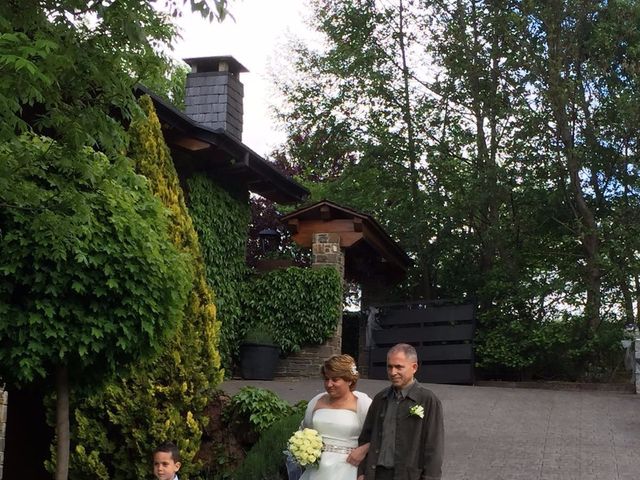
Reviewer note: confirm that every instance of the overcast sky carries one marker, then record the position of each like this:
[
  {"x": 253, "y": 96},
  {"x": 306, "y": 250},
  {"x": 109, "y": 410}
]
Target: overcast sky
[{"x": 255, "y": 39}]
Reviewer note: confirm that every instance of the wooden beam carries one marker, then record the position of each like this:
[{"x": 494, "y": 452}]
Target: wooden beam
[
  {"x": 330, "y": 226},
  {"x": 305, "y": 229},
  {"x": 191, "y": 144},
  {"x": 382, "y": 248},
  {"x": 325, "y": 212},
  {"x": 357, "y": 224},
  {"x": 347, "y": 239}
]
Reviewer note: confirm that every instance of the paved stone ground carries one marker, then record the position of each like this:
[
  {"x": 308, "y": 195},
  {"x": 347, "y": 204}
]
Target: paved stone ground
[{"x": 521, "y": 434}]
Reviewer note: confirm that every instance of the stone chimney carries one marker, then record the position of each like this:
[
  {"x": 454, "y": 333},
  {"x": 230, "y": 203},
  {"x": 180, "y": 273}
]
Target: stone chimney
[{"x": 214, "y": 93}]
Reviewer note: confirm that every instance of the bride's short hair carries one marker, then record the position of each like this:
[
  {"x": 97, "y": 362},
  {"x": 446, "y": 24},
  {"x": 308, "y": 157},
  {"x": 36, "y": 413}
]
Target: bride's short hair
[{"x": 343, "y": 366}]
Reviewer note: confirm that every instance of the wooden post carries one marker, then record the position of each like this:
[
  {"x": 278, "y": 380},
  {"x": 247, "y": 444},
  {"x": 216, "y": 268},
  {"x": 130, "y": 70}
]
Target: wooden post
[{"x": 375, "y": 290}]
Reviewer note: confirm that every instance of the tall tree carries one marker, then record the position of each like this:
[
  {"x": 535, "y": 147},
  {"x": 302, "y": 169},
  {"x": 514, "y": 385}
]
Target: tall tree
[
  {"x": 68, "y": 68},
  {"x": 518, "y": 136},
  {"x": 583, "y": 64},
  {"x": 353, "y": 118},
  {"x": 88, "y": 282}
]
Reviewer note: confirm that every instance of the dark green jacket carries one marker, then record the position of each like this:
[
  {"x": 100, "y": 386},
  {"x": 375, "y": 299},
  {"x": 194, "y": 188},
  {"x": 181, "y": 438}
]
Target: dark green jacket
[{"x": 419, "y": 447}]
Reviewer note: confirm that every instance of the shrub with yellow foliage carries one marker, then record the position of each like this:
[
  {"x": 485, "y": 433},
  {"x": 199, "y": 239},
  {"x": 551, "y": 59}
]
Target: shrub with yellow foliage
[{"x": 164, "y": 399}]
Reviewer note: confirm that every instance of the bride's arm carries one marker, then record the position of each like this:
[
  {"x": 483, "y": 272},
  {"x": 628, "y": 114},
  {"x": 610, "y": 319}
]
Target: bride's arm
[{"x": 357, "y": 454}]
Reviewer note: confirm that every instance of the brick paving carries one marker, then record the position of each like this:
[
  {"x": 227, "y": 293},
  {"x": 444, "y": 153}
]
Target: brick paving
[{"x": 521, "y": 434}]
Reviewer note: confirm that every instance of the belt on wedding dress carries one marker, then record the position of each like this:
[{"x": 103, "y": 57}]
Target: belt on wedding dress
[{"x": 327, "y": 447}]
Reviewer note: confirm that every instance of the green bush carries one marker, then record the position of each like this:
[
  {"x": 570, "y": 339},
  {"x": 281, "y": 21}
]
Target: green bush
[
  {"x": 262, "y": 407},
  {"x": 89, "y": 279},
  {"x": 265, "y": 460},
  {"x": 299, "y": 305},
  {"x": 510, "y": 347},
  {"x": 260, "y": 335}
]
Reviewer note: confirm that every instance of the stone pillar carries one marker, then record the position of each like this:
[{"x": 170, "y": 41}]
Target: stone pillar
[
  {"x": 4, "y": 404},
  {"x": 636, "y": 364},
  {"x": 327, "y": 253},
  {"x": 306, "y": 363}
]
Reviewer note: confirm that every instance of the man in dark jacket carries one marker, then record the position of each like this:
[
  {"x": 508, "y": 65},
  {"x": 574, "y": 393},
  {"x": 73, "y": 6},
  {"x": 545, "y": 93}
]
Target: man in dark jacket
[{"x": 404, "y": 425}]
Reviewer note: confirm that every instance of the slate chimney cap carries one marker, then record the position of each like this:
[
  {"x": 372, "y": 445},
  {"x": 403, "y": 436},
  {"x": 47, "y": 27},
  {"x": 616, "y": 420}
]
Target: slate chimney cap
[{"x": 215, "y": 64}]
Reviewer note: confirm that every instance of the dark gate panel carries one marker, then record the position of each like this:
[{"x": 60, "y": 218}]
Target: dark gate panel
[
  {"x": 442, "y": 334},
  {"x": 28, "y": 437}
]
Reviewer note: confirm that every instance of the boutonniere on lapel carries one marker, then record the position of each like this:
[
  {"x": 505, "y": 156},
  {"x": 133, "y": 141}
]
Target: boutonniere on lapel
[{"x": 417, "y": 411}]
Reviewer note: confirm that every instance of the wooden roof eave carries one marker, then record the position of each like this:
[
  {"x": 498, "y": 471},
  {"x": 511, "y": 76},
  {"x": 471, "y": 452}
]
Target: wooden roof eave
[
  {"x": 373, "y": 233},
  {"x": 386, "y": 249},
  {"x": 193, "y": 137}
]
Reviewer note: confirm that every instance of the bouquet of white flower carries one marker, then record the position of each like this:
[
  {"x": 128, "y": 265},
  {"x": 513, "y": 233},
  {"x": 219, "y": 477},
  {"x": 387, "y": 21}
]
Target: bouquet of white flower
[{"x": 305, "y": 447}]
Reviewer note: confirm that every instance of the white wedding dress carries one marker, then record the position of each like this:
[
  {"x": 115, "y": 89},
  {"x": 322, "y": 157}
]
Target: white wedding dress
[{"x": 340, "y": 429}]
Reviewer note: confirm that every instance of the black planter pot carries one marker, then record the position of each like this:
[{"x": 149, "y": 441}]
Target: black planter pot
[{"x": 258, "y": 362}]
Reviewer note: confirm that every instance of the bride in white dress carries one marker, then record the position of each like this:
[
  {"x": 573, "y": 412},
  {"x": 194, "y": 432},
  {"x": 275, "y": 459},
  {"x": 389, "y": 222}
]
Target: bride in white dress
[{"x": 338, "y": 416}]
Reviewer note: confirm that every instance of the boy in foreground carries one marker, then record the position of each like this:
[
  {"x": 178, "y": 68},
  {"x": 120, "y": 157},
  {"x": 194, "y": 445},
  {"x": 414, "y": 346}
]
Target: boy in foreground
[{"x": 166, "y": 461}]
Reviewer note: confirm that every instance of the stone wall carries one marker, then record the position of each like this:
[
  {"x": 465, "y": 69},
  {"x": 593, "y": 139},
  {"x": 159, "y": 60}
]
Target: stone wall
[
  {"x": 4, "y": 404},
  {"x": 307, "y": 362}
]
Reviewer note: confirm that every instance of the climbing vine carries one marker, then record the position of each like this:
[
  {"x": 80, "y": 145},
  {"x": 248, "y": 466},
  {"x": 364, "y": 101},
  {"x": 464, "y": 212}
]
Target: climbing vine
[
  {"x": 300, "y": 306},
  {"x": 222, "y": 221}
]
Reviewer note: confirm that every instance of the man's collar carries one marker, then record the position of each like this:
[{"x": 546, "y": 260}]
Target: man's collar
[
  {"x": 411, "y": 390},
  {"x": 407, "y": 391}
]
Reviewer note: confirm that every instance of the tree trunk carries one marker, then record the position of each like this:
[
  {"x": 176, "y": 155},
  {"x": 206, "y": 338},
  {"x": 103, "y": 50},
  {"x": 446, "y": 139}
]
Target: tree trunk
[
  {"x": 637, "y": 295},
  {"x": 406, "y": 108},
  {"x": 559, "y": 92},
  {"x": 62, "y": 423},
  {"x": 626, "y": 296},
  {"x": 481, "y": 78}
]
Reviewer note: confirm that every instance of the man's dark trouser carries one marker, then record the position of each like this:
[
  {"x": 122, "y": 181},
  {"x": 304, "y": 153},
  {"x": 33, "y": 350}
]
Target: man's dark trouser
[{"x": 384, "y": 473}]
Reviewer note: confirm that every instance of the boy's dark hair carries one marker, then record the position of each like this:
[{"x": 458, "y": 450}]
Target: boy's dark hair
[{"x": 169, "y": 447}]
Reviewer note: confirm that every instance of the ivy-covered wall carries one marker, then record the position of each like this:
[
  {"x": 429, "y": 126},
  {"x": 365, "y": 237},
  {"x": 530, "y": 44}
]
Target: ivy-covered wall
[
  {"x": 222, "y": 222},
  {"x": 300, "y": 306}
]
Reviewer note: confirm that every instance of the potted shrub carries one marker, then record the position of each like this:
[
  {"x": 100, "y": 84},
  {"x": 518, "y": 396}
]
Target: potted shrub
[{"x": 259, "y": 354}]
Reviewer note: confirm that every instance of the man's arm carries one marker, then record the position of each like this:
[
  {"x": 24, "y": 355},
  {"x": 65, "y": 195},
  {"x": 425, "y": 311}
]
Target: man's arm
[
  {"x": 365, "y": 434},
  {"x": 433, "y": 438},
  {"x": 357, "y": 454}
]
